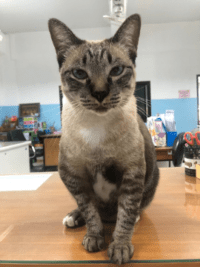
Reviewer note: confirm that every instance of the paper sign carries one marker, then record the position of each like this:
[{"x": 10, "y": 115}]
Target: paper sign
[
  {"x": 22, "y": 182},
  {"x": 184, "y": 93}
]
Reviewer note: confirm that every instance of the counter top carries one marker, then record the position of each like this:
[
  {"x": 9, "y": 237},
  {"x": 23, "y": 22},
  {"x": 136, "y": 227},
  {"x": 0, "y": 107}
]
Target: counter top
[
  {"x": 13, "y": 144},
  {"x": 169, "y": 229}
]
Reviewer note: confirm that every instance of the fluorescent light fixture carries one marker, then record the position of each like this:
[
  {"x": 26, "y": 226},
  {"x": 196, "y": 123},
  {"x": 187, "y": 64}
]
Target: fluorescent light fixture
[
  {"x": 118, "y": 10},
  {"x": 1, "y": 36}
]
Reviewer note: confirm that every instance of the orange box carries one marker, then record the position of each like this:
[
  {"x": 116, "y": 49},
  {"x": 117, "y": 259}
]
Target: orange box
[{"x": 198, "y": 171}]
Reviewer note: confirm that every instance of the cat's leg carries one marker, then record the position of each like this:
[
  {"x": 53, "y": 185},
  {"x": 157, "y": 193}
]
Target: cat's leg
[
  {"x": 74, "y": 219},
  {"x": 121, "y": 249},
  {"x": 80, "y": 189},
  {"x": 150, "y": 188}
]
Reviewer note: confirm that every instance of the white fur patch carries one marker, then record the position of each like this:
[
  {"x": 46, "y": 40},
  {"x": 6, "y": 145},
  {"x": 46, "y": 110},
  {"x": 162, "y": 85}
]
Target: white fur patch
[
  {"x": 103, "y": 188},
  {"x": 69, "y": 221},
  {"x": 94, "y": 135}
]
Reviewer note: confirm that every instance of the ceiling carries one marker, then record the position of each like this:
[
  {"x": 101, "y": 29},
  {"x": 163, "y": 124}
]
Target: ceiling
[{"x": 32, "y": 15}]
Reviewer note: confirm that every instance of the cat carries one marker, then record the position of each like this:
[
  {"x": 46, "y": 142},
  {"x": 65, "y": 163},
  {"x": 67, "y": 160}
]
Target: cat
[{"x": 106, "y": 157}]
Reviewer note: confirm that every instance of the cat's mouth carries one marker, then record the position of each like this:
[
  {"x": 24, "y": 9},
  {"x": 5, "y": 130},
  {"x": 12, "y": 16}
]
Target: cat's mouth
[
  {"x": 101, "y": 109},
  {"x": 94, "y": 106}
]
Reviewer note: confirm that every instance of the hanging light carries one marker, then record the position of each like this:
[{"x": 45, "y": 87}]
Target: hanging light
[
  {"x": 117, "y": 11},
  {"x": 1, "y": 36}
]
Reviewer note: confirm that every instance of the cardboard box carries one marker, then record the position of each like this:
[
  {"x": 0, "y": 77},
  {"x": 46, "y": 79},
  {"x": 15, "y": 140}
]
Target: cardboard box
[{"x": 198, "y": 171}]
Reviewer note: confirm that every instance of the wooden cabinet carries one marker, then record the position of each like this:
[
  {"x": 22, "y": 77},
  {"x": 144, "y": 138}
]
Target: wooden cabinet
[{"x": 51, "y": 151}]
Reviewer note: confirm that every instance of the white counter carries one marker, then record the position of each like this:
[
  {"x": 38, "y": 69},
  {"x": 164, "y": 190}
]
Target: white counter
[{"x": 14, "y": 157}]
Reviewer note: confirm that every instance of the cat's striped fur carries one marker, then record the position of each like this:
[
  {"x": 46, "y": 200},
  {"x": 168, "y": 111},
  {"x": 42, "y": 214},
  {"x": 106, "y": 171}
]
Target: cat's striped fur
[{"x": 107, "y": 159}]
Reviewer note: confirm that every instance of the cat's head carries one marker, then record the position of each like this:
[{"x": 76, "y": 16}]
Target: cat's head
[{"x": 97, "y": 75}]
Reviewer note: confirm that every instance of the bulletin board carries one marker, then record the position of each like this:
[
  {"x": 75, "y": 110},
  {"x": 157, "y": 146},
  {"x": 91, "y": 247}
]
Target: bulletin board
[{"x": 30, "y": 109}]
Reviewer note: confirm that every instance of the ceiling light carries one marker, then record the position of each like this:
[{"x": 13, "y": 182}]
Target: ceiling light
[
  {"x": 117, "y": 11},
  {"x": 1, "y": 36}
]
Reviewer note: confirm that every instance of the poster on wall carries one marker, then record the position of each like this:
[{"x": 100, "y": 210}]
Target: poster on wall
[{"x": 183, "y": 93}]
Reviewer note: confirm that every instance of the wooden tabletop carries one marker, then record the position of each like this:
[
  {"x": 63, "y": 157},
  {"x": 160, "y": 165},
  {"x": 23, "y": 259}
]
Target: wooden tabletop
[{"x": 169, "y": 230}]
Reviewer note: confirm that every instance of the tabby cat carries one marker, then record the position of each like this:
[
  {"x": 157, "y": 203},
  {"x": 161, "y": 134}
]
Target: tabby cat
[{"x": 107, "y": 160}]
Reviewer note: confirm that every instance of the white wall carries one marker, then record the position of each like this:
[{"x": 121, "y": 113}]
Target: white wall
[
  {"x": 8, "y": 83},
  {"x": 168, "y": 56},
  {"x": 29, "y": 71}
]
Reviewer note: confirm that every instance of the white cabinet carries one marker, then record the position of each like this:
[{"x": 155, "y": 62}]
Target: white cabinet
[{"x": 14, "y": 157}]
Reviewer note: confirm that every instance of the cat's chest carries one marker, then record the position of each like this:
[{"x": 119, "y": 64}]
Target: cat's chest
[
  {"x": 93, "y": 136},
  {"x": 103, "y": 188}
]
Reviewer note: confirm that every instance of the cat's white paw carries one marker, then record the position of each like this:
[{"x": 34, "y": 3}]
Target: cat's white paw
[
  {"x": 69, "y": 221},
  {"x": 74, "y": 219}
]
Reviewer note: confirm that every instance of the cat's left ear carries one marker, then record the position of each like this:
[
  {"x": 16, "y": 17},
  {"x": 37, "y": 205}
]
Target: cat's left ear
[{"x": 128, "y": 35}]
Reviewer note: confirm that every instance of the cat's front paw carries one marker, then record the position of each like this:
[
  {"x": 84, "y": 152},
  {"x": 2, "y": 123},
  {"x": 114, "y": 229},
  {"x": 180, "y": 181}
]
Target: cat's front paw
[
  {"x": 93, "y": 243},
  {"x": 74, "y": 219},
  {"x": 120, "y": 252}
]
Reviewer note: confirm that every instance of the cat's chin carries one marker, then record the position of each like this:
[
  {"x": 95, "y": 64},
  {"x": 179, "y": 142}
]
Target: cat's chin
[{"x": 101, "y": 110}]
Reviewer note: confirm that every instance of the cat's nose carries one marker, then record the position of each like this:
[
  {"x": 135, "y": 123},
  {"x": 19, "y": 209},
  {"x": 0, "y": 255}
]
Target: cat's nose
[{"x": 100, "y": 95}]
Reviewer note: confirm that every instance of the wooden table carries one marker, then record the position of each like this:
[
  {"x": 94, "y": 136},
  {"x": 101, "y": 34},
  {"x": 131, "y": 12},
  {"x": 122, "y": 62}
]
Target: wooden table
[{"x": 168, "y": 232}]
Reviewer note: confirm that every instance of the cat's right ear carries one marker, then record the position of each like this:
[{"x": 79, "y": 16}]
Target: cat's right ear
[{"x": 63, "y": 38}]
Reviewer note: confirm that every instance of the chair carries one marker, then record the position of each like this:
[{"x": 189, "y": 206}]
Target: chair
[{"x": 178, "y": 150}]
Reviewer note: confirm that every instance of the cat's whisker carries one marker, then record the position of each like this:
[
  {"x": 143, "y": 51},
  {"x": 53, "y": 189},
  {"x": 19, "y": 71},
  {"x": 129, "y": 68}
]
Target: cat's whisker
[
  {"x": 149, "y": 101},
  {"x": 85, "y": 100},
  {"x": 143, "y": 102},
  {"x": 115, "y": 94},
  {"x": 115, "y": 98},
  {"x": 142, "y": 112},
  {"x": 89, "y": 105},
  {"x": 89, "y": 108},
  {"x": 124, "y": 101},
  {"x": 139, "y": 108},
  {"x": 139, "y": 88},
  {"x": 142, "y": 99},
  {"x": 111, "y": 103}
]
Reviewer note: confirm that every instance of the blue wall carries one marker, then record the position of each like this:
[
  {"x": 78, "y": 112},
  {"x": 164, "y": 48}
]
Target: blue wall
[
  {"x": 185, "y": 112},
  {"x": 48, "y": 113},
  {"x": 51, "y": 115},
  {"x": 7, "y": 111}
]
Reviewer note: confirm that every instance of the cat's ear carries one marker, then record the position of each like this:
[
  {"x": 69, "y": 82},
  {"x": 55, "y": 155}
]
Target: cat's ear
[
  {"x": 63, "y": 38},
  {"x": 128, "y": 35}
]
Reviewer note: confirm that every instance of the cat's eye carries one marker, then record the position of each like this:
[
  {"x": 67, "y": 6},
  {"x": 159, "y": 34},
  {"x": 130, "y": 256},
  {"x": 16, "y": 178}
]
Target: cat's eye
[
  {"x": 116, "y": 71},
  {"x": 79, "y": 74}
]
